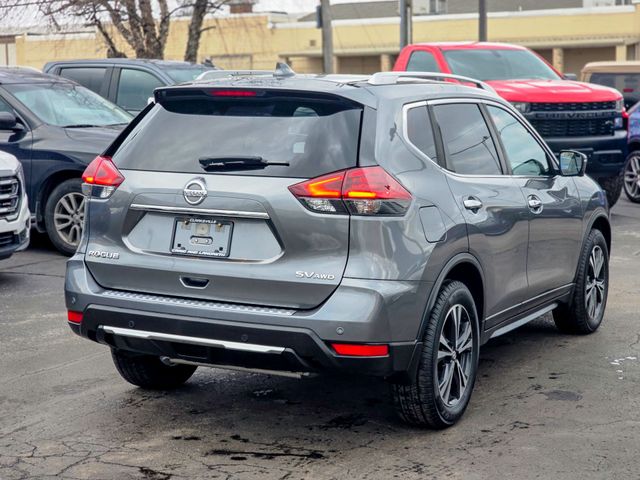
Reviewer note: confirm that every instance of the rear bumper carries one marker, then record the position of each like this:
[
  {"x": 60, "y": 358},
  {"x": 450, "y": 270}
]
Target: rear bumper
[
  {"x": 253, "y": 337},
  {"x": 606, "y": 155}
]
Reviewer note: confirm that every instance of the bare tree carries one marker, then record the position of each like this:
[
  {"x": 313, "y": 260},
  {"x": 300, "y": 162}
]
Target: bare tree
[
  {"x": 200, "y": 8},
  {"x": 143, "y": 24}
]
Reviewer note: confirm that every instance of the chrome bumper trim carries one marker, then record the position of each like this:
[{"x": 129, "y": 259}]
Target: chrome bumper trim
[
  {"x": 205, "y": 342},
  {"x": 200, "y": 211}
]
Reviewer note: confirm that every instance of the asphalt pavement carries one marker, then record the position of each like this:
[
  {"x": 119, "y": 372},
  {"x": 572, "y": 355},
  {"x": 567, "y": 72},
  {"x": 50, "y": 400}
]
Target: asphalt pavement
[{"x": 546, "y": 405}]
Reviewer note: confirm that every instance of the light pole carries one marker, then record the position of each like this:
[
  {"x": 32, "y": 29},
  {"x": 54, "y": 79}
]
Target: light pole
[
  {"x": 327, "y": 36},
  {"x": 482, "y": 20},
  {"x": 405, "y": 23}
]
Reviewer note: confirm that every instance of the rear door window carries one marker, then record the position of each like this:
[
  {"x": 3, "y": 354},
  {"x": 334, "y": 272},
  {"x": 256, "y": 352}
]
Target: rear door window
[
  {"x": 467, "y": 142},
  {"x": 421, "y": 61},
  {"x": 304, "y": 136},
  {"x": 135, "y": 88},
  {"x": 89, "y": 77}
]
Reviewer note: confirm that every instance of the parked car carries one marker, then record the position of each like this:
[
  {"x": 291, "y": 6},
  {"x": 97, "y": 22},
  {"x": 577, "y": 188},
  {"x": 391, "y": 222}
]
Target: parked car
[
  {"x": 385, "y": 225},
  {"x": 632, "y": 167},
  {"x": 568, "y": 114},
  {"x": 623, "y": 76},
  {"x": 127, "y": 82},
  {"x": 15, "y": 219},
  {"x": 55, "y": 128}
]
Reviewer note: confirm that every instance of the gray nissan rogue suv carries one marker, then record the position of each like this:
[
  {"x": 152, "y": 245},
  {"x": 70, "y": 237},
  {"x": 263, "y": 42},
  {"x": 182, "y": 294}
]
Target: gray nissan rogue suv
[{"x": 386, "y": 225}]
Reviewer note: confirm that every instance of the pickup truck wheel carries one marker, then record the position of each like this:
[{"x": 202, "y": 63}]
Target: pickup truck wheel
[
  {"x": 64, "y": 215},
  {"x": 585, "y": 312},
  {"x": 439, "y": 394},
  {"x": 632, "y": 177},
  {"x": 147, "y": 371},
  {"x": 612, "y": 187}
]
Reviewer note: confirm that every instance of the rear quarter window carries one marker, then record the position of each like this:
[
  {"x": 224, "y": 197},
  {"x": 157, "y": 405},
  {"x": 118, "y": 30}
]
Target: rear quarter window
[
  {"x": 313, "y": 136},
  {"x": 420, "y": 131}
]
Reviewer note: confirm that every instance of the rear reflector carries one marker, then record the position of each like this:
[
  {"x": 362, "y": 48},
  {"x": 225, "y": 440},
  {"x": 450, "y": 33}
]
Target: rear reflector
[
  {"x": 74, "y": 317},
  {"x": 360, "y": 350},
  {"x": 359, "y": 191}
]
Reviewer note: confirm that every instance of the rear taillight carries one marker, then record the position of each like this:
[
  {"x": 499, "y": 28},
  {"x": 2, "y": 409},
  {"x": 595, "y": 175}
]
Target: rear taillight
[
  {"x": 359, "y": 191},
  {"x": 102, "y": 177}
]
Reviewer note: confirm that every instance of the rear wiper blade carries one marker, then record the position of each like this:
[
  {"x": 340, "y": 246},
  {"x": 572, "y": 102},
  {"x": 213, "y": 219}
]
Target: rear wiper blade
[
  {"x": 237, "y": 163},
  {"x": 82, "y": 125}
]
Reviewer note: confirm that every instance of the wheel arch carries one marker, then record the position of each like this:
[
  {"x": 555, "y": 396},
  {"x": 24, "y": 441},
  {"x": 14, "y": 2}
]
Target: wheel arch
[
  {"x": 467, "y": 269},
  {"x": 634, "y": 145},
  {"x": 47, "y": 186},
  {"x": 600, "y": 222}
]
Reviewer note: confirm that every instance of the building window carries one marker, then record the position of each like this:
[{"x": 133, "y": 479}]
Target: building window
[{"x": 429, "y": 7}]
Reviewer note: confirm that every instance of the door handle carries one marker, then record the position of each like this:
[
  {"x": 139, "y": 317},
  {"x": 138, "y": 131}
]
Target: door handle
[
  {"x": 472, "y": 203},
  {"x": 193, "y": 282},
  {"x": 535, "y": 204}
]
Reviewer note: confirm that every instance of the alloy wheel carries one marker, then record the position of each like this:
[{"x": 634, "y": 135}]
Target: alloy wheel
[
  {"x": 68, "y": 217},
  {"x": 595, "y": 285},
  {"x": 455, "y": 355},
  {"x": 632, "y": 177}
]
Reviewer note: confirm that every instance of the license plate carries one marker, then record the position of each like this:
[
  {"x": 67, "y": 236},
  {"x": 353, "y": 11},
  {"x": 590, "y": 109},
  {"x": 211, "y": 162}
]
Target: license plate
[{"x": 201, "y": 237}]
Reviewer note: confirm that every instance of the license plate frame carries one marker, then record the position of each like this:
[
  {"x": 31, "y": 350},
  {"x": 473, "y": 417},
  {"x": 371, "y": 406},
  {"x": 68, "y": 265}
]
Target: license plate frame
[{"x": 197, "y": 237}]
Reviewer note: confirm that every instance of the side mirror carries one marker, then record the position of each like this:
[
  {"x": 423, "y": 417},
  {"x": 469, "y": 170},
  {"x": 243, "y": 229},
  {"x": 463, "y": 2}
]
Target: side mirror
[
  {"x": 570, "y": 76},
  {"x": 8, "y": 121},
  {"x": 572, "y": 163}
]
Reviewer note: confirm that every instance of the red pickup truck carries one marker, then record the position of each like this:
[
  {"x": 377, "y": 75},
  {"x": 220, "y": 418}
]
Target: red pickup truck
[{"x": 568, "y": 114}]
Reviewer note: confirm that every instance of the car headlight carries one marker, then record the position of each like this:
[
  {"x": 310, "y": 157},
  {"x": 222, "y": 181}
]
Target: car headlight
[
  {"x": 20, "y": 174},
  {"x": 522, "y": 107},
  {"x": 620, "y": 105}
]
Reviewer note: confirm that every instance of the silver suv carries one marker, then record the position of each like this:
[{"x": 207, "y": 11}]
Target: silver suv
[{"x": 385, "y": 225}]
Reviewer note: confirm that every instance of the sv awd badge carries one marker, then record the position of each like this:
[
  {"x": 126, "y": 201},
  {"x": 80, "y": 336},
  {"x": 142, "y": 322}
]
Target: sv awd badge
[{"x": 315, "y": 276}]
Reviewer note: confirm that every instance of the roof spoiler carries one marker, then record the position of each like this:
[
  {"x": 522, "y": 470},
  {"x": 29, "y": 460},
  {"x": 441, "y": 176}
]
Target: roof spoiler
[
  {"x": 392, "y": 78},
  {"x": 282, "y": 71}
]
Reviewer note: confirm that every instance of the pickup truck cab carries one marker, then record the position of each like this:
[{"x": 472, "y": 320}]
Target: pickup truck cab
[{"x": 567, "y": 114}]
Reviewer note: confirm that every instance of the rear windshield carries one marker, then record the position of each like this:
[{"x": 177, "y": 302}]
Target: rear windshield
[
  {"x": 312, "y": 135},
  {"x": 498, "y": 64}
]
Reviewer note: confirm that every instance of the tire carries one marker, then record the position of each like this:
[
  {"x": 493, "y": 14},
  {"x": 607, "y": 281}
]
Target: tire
[
  {"x": 582, "y": 315},
  {"x": 423, "y": 402},
  {"x": 64, "y": 215},
  {"x": 632, "y": 177},
  {"x": 612, "y": 187},
  {"x": 147, "y": 371}
]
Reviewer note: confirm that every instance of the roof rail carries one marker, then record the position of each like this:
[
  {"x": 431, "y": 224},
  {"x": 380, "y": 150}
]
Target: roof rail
[
  {"x": 391, "y": 78},
  {"x": 282, "y": 71}
]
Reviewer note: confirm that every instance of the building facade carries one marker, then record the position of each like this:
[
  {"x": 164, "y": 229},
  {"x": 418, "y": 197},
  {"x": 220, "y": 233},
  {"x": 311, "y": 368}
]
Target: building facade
[{"x": 366, "y": 36}]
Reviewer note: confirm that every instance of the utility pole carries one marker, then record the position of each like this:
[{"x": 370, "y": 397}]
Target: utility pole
[
  {"x": 406, "y": 33},
  {"x": 327, "y": 36},
  {"x": 482, "y": 20}
]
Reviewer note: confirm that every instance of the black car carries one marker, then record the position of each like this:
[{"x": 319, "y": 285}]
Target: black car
[
  {"x": 56, "y": 128},
  {"x": 127, "y": 82}
]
